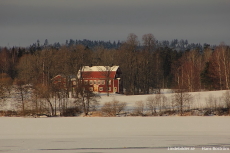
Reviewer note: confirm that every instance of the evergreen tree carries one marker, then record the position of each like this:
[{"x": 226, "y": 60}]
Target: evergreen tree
[
  {"x": 46, "y": 43},
  {"x": 205, "y": 77}
]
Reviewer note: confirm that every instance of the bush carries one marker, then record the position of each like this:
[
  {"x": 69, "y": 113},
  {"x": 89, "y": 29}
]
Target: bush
[
  {"x": 73, "y": 111},
  {"x": 139, "y": 108},
  {"x": 10, "y": 113},
  {"x": 113, "y": 108}
]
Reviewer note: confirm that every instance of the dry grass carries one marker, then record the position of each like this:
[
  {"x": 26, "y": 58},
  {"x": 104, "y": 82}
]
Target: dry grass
[{"x": 96, "y": 114}]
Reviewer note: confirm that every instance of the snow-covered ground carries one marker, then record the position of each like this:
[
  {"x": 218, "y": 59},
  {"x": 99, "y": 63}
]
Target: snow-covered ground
[
  {"x": 113, "y": 134},
  {"x": 198, "y": 100}
]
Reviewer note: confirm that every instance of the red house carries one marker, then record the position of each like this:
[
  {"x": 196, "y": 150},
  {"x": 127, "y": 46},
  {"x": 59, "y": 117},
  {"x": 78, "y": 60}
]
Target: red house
[
  {"x": 101, "y": 78},
  {"x": 62, "y": 82}
]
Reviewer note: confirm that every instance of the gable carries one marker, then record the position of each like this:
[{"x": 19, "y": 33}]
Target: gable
[
  {"x": 99, "y": 68},
  {"x": 98, "y": 72}
]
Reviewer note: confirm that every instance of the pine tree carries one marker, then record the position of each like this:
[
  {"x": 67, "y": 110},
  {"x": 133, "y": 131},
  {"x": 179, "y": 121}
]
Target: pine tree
[{"x": 205, "y": 77}]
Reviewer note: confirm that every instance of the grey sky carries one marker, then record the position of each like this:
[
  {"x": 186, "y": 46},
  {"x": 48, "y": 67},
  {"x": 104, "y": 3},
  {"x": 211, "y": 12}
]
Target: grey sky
[{"x": 199, "y": 21}]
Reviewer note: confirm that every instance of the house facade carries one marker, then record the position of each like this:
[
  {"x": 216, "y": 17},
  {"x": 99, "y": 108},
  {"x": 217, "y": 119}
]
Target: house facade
[
  {"x": 63, "y": 82},
  {"x": 101, "y": 79}
]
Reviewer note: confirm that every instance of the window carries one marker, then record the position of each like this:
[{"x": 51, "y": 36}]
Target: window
[
  {"x": 86, "y": 82},
  {"x": 109, "y": 89},
  {"x": 90, "y": 88},
  {"x": 90, "y": 82},
  {"x": 95, "y": 81},
  {"x": 109, "y": 82},
  {"x": 99, "y": 82},
  {"x": 100, "y": 88},
  {"x": 74, "y": 83},
  {"x": 103, "y": 82}
]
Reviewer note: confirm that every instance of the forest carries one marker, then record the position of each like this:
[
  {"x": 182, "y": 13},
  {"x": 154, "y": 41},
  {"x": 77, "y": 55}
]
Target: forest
[{"x": 146, "y": 65}]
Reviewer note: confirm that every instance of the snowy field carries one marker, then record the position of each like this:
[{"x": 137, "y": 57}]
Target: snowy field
[
  {"x": 199, "y": 99},
  {"x": 114, "y": 134}
]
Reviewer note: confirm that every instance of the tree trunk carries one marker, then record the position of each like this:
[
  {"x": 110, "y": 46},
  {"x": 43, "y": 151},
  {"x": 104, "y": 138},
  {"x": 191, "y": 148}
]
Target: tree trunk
[{"x": 51, "y": 107}]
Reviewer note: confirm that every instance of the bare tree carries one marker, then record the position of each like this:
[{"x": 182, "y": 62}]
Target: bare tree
[
  {"x": 219, "y": 64},
  {"x": 5, "y": 87},
  {"x": 151, "y": 104},
  {"x": 27, "y": 69},
  {"x": 226, "y": 63},
  {"x": 4, "y": 60},
  {"x": 149, "y": 42},
  {"x": 129, "y": 52},
  {"x": 86, "y": 100},
  {"x": 182, "y": 99},
  {"x": 139, "y": 108},
  {"x": 113, "y": 108},
  {"x": 22, "y": 90},
  {"x": 187, "y": 71},
  {"x": 158, "y": 71},
  {"x": 6, "y": 81},
  {"x": 172, "y": 102},
  {"x": 39, "y": 106},
  {"x": 3, "y": 95},
  {"x": 164, "y": 102},
  {"x": 223, "y": 59},
  {"x": 147, "y": 62},
  {"x": 155, "y": 102},
  {"x": 226, "y": 99},
  {"x": 158, "y": 101},
  {"x": 45, "y": 92},
  {"x": 211, "y": 102}
]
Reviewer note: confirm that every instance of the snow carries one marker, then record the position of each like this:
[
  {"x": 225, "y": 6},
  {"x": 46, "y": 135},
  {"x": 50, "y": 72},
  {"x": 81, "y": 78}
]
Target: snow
[
  {"x": 112, "y": 134},
  {"x": 198, "y": 101},
  {"x": 99, "y": 68}
]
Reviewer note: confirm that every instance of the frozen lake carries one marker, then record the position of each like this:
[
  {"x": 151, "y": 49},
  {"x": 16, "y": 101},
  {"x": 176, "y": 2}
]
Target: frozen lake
[{"x": 114, "y": 134}]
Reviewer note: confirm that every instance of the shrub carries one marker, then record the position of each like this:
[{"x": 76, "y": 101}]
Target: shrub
[{"x": 113, "y": 108}]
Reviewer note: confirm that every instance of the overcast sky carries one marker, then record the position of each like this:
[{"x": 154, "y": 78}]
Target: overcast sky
[{"x": 23, "y": 22}]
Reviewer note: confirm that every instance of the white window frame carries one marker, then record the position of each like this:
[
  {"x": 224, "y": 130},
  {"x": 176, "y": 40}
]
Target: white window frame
[{"x": 90, "y": 82}]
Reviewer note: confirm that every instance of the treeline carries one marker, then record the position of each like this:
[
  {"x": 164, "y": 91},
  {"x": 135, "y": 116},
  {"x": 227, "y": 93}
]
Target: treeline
[
  {"x": 175, "y": 44},
  {"x": 147, "y": 64}
]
